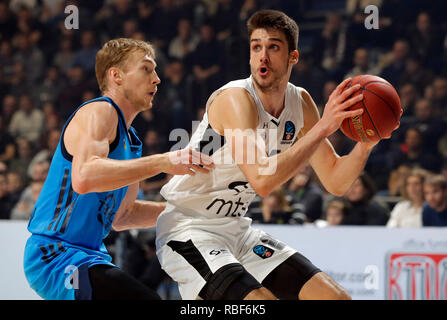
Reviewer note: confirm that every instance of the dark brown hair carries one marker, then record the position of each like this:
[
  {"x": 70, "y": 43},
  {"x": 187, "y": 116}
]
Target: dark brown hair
[{"x": 273, "y": 19}]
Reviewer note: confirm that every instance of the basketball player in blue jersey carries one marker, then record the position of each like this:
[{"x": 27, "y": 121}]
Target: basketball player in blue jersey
[
  {"x": 93, "y": 180},
  {"x": 204, "y": 242}
]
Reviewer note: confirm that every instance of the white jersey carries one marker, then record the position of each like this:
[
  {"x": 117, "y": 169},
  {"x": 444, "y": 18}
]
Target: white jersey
[{"x": 225, "y": 191}]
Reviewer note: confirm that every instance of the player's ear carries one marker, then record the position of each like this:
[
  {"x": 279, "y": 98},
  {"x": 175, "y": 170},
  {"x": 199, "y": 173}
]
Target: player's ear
[
  {"x": 115, "y": 75},
  {"x": 294, "y": 57}
]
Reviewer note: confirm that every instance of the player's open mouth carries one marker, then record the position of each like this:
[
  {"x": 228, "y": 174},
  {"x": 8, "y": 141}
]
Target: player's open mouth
[
  {"x": 263, "y": 71},
  {"x": 152, "y": 93}
]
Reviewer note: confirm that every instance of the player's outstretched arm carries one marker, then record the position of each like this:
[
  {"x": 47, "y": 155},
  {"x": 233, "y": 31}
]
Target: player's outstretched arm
[
  {"x": 234, "y": 114},
  {"x": 87, "y": 139}
]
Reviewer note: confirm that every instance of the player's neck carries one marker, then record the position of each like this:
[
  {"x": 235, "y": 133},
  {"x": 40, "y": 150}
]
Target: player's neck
[
  {"x": 124, "y": 104},
  {"x": 272, "y": 99}
]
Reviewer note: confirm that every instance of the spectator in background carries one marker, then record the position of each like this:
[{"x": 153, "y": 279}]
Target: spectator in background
[
  {"x": 23, "y": 159},
  {"x": 19, "y": 83},
  {"x": 226, "y": 19},
  {"x": 85, "y": 57},
  {"x": 31, "y": 57},
  {"x": 439, "y": 96},
  {"x": 207, "y": 61},
  {"x": 413, "y": 153},
  {"x": 431, "y": 126},
  {"x": 407, "y": 213},
  {"x": 425, "y": 40},
  {"x": 45, "y": 154},
  {"x": 71, "y": 94},
  {"x": 364, "y": 209},
  {"x": 24, "y": 207},
  {"x": 330, "y": 47},
  {"x": 6, "y": 60},
  {"x": 7, "y": 146},
  {"x": 27, "y": 122},
  {"x": 305, "y": 75},
  {"x": 415, "y": 73},
  {"x": 162, "y": 23},
  {"x": 185, "y": 42},
  {"x": 361, "y": 64},
  {"x": 275, "y": 208},
  {"x": 5, "y": 200},
  {"x": 50, "y": 86},
  {"x": 64, "y": 57},
  {"x": 408, "y": 96},
  {"x": 7, "y": 21},
  {"x": 396, "y": 181},
  {"x": 152, "y": 144},
  {"x": 434, "y": 212},
  {"x": 393, "y": 64},
  {"x": 9, "y": 106},
  {"x": 15, "y": 186},
  {"x": 175, "y": 98},
  {"x": 334, "y": 214},
  {"x": 305, "y": 195}
]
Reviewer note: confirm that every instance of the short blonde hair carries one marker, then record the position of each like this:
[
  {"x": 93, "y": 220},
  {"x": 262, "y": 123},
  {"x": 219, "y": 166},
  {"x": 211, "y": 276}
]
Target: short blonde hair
[{"x": 115, "y": 53}]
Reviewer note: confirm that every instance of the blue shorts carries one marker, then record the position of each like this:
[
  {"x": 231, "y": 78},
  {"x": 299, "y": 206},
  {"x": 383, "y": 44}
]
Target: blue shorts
[{"x": 59, "y": 271}]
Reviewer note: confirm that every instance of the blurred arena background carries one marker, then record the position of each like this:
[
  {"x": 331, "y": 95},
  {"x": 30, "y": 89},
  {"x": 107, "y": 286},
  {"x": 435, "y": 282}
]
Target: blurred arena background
[{"x": 373, "y": 241}]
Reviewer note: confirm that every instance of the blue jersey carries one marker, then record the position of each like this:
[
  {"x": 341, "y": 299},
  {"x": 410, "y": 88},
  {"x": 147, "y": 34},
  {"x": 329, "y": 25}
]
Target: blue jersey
[{"x": 81, "y": 220}]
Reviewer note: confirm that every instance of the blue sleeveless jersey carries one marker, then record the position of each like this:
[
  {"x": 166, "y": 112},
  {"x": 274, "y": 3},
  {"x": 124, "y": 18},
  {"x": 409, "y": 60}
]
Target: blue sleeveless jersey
[{"x": 81, "y": 220}]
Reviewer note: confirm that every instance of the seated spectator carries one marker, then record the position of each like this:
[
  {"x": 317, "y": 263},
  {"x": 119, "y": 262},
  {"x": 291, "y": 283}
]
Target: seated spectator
[
  {"x": 362, "y": 64},
  {"x": 23, "y": 159},
  {"x": 394, "y": 66},
  {"x": 335, "y": 212},
  {"x": 7, "y": 146},
  {"x": 416, "y": 73},
  {"x": 5, "y": 200},
  {"x": 407, "y": 213},
  {"x": 364, "y": 209},
  {"x": 439, "y": 96},
  {"x": 305, "y": 195},
  {"x": 24, "y": 208},
  {"x": 207, "y": 60},
  {"x": 185, "y": 42},
  {"x": 434, "y": 212},
  {"x": 15, "y": 185},
  {"x": 85, "y": 57},
  {"x": 275, "y": 208},
  {"x": 408, "y": 96},
  {"x": 396, "y": 181},
  {"x": 413, "y": 153},
  {"x": 27, "y": 122}
]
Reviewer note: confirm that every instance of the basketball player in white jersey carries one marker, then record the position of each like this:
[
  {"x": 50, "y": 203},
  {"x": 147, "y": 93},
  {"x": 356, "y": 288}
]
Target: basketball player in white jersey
[{"x": 204, "y": 242}]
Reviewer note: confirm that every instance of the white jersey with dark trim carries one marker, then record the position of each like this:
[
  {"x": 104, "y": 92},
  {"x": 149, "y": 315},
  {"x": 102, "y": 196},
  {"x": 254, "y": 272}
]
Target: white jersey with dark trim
[{"x": 225, "y": 191}]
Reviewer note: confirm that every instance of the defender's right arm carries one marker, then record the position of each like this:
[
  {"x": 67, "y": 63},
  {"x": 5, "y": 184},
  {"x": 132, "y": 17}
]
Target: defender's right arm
[{"x": 87, "y": 139}]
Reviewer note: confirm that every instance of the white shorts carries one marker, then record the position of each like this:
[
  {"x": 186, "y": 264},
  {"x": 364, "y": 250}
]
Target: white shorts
[{"x": 191, "y": 252}]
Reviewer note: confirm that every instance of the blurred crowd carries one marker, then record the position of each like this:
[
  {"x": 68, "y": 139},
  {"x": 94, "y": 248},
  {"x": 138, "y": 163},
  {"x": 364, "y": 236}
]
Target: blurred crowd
[{"x": 47, "y": 71}]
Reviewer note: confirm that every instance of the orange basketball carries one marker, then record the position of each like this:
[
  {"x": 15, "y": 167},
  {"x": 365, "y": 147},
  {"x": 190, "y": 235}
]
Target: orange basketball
[{"x": 381, "y": 110}]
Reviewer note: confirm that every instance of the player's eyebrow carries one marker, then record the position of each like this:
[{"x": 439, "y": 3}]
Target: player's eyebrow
[
  {"x": 271, "y": 39},
  {"x": 149, "y": 60}
]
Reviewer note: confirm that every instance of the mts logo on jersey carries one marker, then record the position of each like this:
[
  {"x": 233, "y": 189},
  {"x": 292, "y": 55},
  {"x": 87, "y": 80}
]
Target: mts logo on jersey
[
  {"x": 234, "y": 207},
  {"x": 416, "y": 276}
]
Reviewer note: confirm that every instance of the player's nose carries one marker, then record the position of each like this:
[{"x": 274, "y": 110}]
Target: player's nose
[
  {"x": 156, "y": 79},
  {"x": 263, "y": 58}
]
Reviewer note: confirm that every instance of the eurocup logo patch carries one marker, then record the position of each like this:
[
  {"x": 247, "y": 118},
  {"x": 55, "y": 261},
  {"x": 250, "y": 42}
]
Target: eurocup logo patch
[
  {"x": 263, "y": 251},
  {"x": 289, "y": 131}
]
